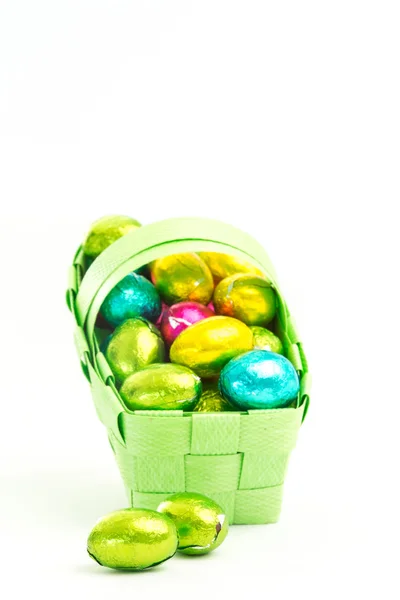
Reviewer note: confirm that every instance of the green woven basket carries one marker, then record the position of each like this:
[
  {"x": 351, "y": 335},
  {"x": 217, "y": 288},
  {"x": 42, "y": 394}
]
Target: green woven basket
[{"x": 237, "y": 458}]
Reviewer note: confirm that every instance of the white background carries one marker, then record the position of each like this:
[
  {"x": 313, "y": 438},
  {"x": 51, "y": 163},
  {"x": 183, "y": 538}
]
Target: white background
[{"x": 279, "y": 117}]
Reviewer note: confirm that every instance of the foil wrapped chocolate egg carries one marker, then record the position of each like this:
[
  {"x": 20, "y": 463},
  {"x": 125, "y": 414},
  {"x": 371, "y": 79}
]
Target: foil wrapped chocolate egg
[
  {"x": 208, "y": 345},
  {"x": 133, "y": 539},
  {"x": 264, "y": 339},
  {"x": 201, "y": 523},
  {"x": 211, "y": 399},
  {"x": 259, "y": 380},
  {"x": 135, "y": 344},
  {"x": 225, "y": 265},
  {"x": 162, "y": 387},
  {"x": 249, "y": 298},
  {"x": 180, "y": 316},
  {"x": 182, "y": 277},
  {"x": 105, "y": 231},
  {"x": 164, "y": 307},
  {"x": 133, "y": 296}
]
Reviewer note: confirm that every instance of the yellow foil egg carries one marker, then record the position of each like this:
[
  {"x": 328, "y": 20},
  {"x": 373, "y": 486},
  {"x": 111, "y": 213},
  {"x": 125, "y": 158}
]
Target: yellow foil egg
[
  {"x": 208, "y": 345},
  {"x": 162, "y": 387},
  {"x": 264, "y": 339},
  {"x": 135, "y": 344},
  {"x": 225, "y": 265},
  {"x": 133, "y": 539},
  {"x": 211, "y": 399},
  {"x": 105, "y": 231},
  {"x": 201, "y": 523},
  {"x": 246, "y": 297},
  {"x": 182, "y": 277}
]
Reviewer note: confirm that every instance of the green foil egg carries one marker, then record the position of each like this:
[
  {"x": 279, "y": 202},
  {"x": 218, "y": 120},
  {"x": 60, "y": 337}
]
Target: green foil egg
[
  {"x": 201, "y": 523},
  {"x": 133, "y": 539},
  {"x": 246, "y": 297},
  {"x": 208, "y": 345},
  {"x": 182, "y": 277},
  {"x": 162, "y": 387},
  {"x": 224, "y": 265},
  {"x": 135, "y": 344},
  {"x": 211, "y": 399},
  {"x": 264, "y": 339},
  {"x": 105, "y": 231}
]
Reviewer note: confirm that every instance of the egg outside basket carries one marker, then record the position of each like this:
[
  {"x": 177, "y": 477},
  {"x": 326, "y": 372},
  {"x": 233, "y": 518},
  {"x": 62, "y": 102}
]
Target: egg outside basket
[{"x": 237, "y": 458}]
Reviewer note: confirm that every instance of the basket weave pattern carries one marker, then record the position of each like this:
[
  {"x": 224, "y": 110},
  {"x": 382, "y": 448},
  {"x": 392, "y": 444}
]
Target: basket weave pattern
[
  {"x": 238, "y": 459},
  {"x": 230, "y": 457}
]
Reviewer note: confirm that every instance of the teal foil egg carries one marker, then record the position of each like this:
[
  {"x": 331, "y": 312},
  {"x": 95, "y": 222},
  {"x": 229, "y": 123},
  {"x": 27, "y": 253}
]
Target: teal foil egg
[
  {"x": 259, "y": 379},
  {"x": 133, "y": 296}
]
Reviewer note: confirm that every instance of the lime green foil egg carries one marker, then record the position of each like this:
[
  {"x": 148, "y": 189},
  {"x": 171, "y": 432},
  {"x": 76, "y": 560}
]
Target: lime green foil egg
[
  {"x": 246, "y": 297},
  {"x": 201, "y": 523},
  {"x": 208, "y": 345},
  {"x": 162, "y": 387},
  {"x": 224, "y": 265},
  {"x": 105, "y": 231},
  {"x": 133, "y": 539},
  {"x": 264, "y": 339},
  {"x": 211, "y": 399},
  {"x": 135, "y": 344},
  {"x": 182, "y": 277}
]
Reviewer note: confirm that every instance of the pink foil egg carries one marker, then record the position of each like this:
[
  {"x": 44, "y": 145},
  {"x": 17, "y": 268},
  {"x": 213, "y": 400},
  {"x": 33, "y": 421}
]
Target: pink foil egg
[
  {"x": 164, "y": 308},
  {"x": 211, "y": 306},
  {"x": 180, "y": 316}
]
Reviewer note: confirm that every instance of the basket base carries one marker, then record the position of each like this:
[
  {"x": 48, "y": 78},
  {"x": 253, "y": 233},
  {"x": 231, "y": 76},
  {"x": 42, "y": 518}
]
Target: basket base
[{"x": 243, "y": 507}]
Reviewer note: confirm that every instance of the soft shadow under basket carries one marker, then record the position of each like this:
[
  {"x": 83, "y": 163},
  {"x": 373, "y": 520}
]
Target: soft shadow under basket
[{"x": 237, "y": 458}]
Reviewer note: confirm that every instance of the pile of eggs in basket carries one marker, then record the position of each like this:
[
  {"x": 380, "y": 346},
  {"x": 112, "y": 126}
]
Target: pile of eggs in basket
[{"x": 192, "y": 332}]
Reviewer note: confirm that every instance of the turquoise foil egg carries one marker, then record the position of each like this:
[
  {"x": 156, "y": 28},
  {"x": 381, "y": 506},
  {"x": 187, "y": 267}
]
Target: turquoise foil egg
[
  {"x": 259, "y": 379},
  {"x": 134, "y": 296}
]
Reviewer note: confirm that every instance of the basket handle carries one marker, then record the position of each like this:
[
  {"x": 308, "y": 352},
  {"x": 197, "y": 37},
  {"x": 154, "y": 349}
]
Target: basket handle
[{"x": 153, "y": 241}]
